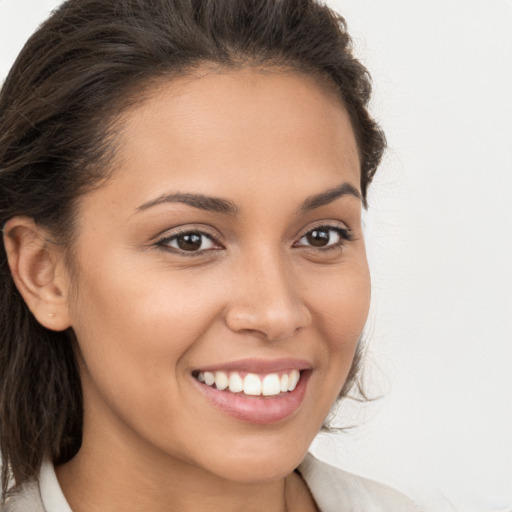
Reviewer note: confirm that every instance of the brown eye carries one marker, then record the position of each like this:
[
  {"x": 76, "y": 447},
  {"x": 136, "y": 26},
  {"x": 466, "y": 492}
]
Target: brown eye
[
  {"x": 192, "y": 241},
  {"x": 318, "y": 237},
  {"x": 189, "y": 242},
  {"x": 325, "y": 237}
]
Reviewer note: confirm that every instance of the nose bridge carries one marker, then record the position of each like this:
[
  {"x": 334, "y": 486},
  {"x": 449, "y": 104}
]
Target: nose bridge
[{"x": 267, "y": 298}]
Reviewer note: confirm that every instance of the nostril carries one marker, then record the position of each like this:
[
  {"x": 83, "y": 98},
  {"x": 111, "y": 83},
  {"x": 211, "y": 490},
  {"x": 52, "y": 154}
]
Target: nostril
[{"x": 270, "y": 320}]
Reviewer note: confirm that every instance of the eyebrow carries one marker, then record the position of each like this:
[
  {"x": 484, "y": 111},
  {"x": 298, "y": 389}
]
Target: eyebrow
[
  {"x": 208, "y": 203},
  {"x": 219, "y": 205},
  {"x": 329, "y": 196}
]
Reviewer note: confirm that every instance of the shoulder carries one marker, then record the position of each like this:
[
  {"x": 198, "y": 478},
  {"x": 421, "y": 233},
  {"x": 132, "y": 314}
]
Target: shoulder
[
  {"x": 335, "y": 490},
  {"x": 27, "y": 498}
]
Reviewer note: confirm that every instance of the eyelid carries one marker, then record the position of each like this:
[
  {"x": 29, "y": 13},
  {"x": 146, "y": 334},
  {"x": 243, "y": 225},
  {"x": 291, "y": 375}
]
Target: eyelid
[
  {"x": 342, "y": 230},
  {"x": 334, "y": 226},
  {"x": 163, "y": 241}
]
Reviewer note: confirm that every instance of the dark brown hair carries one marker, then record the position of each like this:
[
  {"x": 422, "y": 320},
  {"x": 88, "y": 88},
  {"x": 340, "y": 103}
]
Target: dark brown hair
[{"x": 58, "y": 106}]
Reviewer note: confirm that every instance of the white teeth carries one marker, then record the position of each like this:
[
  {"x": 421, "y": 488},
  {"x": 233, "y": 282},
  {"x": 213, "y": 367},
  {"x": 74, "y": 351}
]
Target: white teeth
[
  {"x": 294, "y": 379},
  {"x": 221, "y": 380},
  {"x": 269, "y": 385},
  {"x": 252, "y": 384},
  {"x": 284, "y": 383},
  {"x": 236, "y": 384}
]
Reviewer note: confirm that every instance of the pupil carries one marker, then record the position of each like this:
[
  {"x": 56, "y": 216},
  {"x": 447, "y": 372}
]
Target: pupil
[
  {"x": 318, "y": 238},
  {"x": 189, "y": 242}
]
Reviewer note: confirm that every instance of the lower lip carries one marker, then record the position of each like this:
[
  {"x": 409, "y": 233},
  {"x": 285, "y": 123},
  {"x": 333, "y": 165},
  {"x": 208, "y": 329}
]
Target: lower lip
[{"x": 257, "y": 409}]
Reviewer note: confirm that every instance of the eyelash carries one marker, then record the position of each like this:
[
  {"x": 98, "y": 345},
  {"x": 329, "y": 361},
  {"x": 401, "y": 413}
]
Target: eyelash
[
  {"x": 164, "y": 242},
  {"x": 344, "y": 234}
]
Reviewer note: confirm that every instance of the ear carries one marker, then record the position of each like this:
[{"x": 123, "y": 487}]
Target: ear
[{"x": 38, "y": 269}]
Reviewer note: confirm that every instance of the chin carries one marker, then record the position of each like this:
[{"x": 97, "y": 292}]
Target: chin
[
  {"x": 266, "y": 458},
  {"x": 264, "y": 469}
]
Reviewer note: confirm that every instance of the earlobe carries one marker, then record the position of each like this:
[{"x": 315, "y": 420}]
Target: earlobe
[{"x": 37, "y": 267}]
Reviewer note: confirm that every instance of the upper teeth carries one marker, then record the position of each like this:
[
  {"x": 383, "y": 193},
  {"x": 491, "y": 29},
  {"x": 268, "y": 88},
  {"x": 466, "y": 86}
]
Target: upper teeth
[{"x": 252, "y": 384}]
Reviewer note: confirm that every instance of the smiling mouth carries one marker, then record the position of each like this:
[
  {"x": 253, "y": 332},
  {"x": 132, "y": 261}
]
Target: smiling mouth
[
  {"x": 250, "y": 384},
  {"x": 254, "y": 390}
]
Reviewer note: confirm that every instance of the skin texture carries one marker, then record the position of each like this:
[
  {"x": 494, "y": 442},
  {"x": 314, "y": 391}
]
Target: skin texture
[{"x": 146, "y": 315}]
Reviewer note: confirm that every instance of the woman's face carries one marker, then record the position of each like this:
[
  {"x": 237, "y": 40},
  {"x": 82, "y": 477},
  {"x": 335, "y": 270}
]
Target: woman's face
[{"x": 228, "y": 243}]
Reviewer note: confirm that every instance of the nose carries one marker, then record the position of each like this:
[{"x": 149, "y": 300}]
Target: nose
[{"x": 266, "y": 301}]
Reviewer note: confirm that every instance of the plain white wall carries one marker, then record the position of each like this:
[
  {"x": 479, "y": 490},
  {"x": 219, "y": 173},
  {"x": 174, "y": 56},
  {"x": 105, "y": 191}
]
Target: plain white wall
[{"x": 439, "y": 232}]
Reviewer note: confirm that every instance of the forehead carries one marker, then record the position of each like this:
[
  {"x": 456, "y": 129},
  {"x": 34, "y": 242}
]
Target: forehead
[{"x": 241, "y": 128}]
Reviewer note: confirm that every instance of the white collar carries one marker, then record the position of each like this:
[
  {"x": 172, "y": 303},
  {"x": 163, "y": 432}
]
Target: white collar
[{"x": 51, "y": 493}]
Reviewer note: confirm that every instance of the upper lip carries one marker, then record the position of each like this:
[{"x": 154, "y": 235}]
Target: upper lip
[{"x": 259, "y": 365}]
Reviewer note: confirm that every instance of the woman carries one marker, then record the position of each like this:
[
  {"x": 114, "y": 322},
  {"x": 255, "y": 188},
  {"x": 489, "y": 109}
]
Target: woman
[{"x": 185, "y": 273}]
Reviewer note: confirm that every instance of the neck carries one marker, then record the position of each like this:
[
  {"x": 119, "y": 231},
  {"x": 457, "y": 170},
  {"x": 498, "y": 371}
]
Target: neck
[{"x": 112, "y": 477}]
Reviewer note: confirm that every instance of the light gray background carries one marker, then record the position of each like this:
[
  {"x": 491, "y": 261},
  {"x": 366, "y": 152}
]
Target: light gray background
[{"x": 439, "y": 232}]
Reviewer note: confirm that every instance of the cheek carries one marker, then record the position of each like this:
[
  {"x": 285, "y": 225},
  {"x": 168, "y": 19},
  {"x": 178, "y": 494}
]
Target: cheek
[
  {"x": 341, "y": 306},
  {"x": 135, "y": 328},
  {"x": 136, "y": 336},
  {"x": 342, "y": 303}
]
